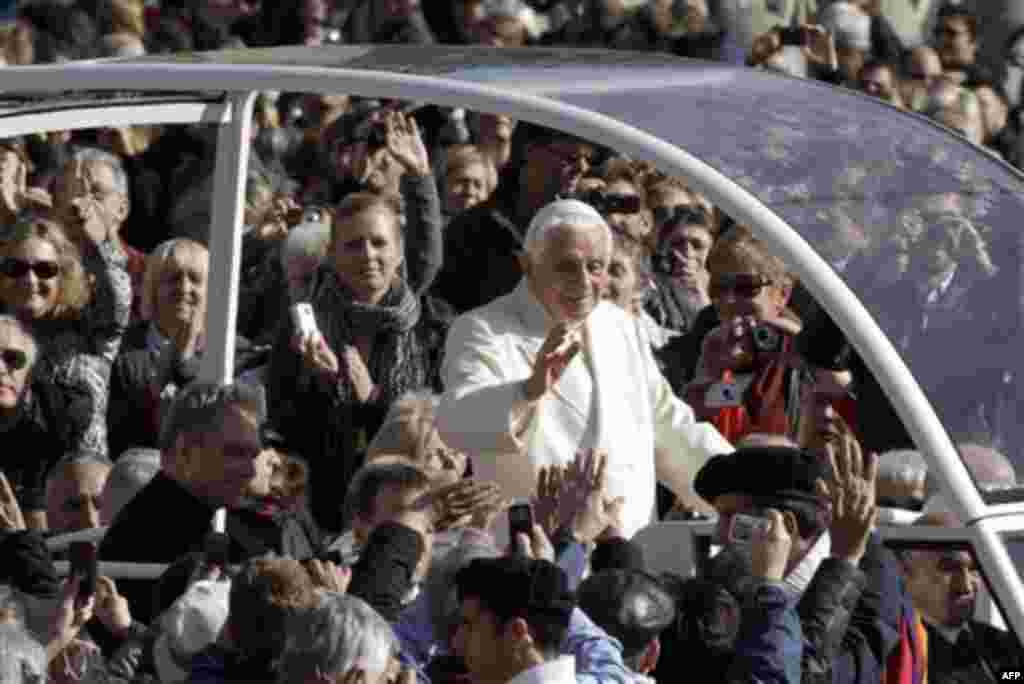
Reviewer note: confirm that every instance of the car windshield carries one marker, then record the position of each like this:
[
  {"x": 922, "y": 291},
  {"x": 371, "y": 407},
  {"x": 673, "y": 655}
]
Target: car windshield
[{"x": 922, "y": 225}]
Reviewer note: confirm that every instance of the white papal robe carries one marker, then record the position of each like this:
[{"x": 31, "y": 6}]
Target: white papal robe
[{"x": 611, "y": 396}]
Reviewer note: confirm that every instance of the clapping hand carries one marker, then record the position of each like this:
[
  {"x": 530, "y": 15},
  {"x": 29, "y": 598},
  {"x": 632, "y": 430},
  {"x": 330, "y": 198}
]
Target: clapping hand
[
  {"x": 851, "y": 490},
  {"x": 468, "y": 503},
  {"x": 11, "y": 517}
]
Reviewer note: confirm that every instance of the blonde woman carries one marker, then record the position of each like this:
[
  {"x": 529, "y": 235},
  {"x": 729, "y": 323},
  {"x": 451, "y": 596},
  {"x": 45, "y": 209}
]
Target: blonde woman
[{"x": 77, "y": 304}]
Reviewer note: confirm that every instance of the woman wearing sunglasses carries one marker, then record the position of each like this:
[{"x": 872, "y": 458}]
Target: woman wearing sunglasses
[
  {"x": 746, "y": 379},
  {"x": 38, "y": 425},
  {"x": 77, "y": 301}
]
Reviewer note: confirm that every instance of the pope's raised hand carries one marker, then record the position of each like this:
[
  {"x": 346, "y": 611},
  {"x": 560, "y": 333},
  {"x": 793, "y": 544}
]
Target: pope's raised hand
[{"x": 558, "y": 350}]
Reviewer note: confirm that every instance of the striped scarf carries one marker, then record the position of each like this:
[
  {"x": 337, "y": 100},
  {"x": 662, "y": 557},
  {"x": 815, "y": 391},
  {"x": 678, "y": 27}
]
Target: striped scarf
[{"x": 398, "y": 363}]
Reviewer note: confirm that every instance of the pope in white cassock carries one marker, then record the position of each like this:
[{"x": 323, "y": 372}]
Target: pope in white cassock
[{"x": 551, "y": 369}]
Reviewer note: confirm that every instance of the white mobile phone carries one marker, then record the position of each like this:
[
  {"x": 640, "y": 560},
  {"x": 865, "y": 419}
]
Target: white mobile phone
[
  {"x": 304, "y": 320},
  {"x": 723, "y": 395}
]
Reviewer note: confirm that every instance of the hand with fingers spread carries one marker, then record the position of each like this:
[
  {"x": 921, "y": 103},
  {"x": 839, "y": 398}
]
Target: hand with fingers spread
[
  {"x": 548, "y": 499},
  {"x": 11, "y": 517},
  {"x": 589, "y": 511},
  {"x": 559, "y": 349},
  {"x": 770, "y": 548},
  {"x": 111, "y": 608},
  {"x": 851, "y": 490},
  {"x": 406, "y": 144}
]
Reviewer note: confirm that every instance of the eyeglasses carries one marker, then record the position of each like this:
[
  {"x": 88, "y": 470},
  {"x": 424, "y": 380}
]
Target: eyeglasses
[
  {"x": 14, "y": 359},
  {"x": 685, "y": 214},
  {"x": 19, "y": 268},
  {"x": 611, "y": 203},
  {"x": 744, "y": 286}
]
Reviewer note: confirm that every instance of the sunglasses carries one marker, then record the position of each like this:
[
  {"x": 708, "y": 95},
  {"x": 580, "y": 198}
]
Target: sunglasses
[
  {"x": 744, "y": 286},
  {"x": 684, "y": 214},
  {"x": 19, "y": 268},
  {"x": 610, "y": 203},
  {"x": 14, "y": 359}
]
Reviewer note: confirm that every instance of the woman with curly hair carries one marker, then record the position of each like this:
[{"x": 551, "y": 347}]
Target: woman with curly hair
[{"x": 77, "y": 304}]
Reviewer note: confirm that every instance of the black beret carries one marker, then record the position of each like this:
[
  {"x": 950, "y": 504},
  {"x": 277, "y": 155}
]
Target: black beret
[
  {"x": 770, "y": 471},
  {"x": 26, "y": 564},
  {"x": 822, "y": 344},
  {"x": 513, "y": 585},
  {"x": 631, "y": 606}
]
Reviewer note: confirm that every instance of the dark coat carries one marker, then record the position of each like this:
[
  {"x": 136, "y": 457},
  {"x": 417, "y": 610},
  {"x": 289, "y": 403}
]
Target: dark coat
[
  {"x": 481, "y": 255},
  {"x": 133, "y": 411},
  {"x": 49, "y": 425},
  {"x": 143, "y": 532},
  {"x": 980, "y": 656}
]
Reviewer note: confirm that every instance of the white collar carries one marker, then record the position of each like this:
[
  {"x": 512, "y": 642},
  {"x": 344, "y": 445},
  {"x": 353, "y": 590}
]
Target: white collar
[
  {"x": 561, "y": 670},
  {"x": 800, "y": 576}
]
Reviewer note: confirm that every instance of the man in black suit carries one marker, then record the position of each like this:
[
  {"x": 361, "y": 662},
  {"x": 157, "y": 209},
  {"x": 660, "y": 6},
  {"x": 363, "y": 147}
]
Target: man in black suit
[{"x": 944, "y": 585}]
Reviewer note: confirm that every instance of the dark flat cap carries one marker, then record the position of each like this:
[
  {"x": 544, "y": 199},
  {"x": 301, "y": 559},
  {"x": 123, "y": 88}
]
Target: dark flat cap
[
  {"x": 769, "y": 472},
  {"x": 631, "y": 606}
]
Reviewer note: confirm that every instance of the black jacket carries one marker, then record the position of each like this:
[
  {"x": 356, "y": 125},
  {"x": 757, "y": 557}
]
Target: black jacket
[
  {"x": 980, "y": 656},
  {"x": 850, "y": 618},
  {"x": 165, "y": 522},
  {"x": 481, "y": 256},
  {"x": 48, "y": 425},
  {"x": 133, "y": 411}
]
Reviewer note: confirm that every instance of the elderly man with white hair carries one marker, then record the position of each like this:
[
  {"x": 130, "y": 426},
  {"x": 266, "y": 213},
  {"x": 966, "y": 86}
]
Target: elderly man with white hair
[{"x": 551, "y": 369}]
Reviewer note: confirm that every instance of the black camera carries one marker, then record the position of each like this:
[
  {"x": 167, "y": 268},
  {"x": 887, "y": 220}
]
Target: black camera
[{"x": 766, "y": 338}]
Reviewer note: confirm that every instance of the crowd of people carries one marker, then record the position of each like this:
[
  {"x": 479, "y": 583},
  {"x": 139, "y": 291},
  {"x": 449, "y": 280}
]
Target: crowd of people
[{"x": 445, "y": 314}]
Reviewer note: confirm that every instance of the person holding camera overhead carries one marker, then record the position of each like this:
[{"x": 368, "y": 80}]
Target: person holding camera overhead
[{"x": 746, "y": 379}]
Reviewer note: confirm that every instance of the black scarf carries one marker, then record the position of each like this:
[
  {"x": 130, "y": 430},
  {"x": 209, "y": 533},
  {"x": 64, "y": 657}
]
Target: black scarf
[{"x": 398, "y": 363}]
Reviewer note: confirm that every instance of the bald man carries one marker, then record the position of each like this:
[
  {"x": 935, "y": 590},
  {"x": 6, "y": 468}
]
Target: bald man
[
  {"x": 73, "y": 492},
  {"x": 552, "y": 369}
]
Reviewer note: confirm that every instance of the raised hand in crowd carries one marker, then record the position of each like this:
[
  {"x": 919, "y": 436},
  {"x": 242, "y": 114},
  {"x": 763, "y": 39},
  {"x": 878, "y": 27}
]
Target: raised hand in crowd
[
  {"x": 820, "y": 47},
  {"x": 11, "y": 517},
  {"x": 559, "y": 349},
  {"x": 328, "y": 576},
  {"x": 112, "y": 608},
  {"x": 406, "y": 144},
  {"x": 851, "y": 491},
  {"x": 468, "y": 503},
  {"x": 575, "y": 498},
  {"x": 770, "y": 548}
]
